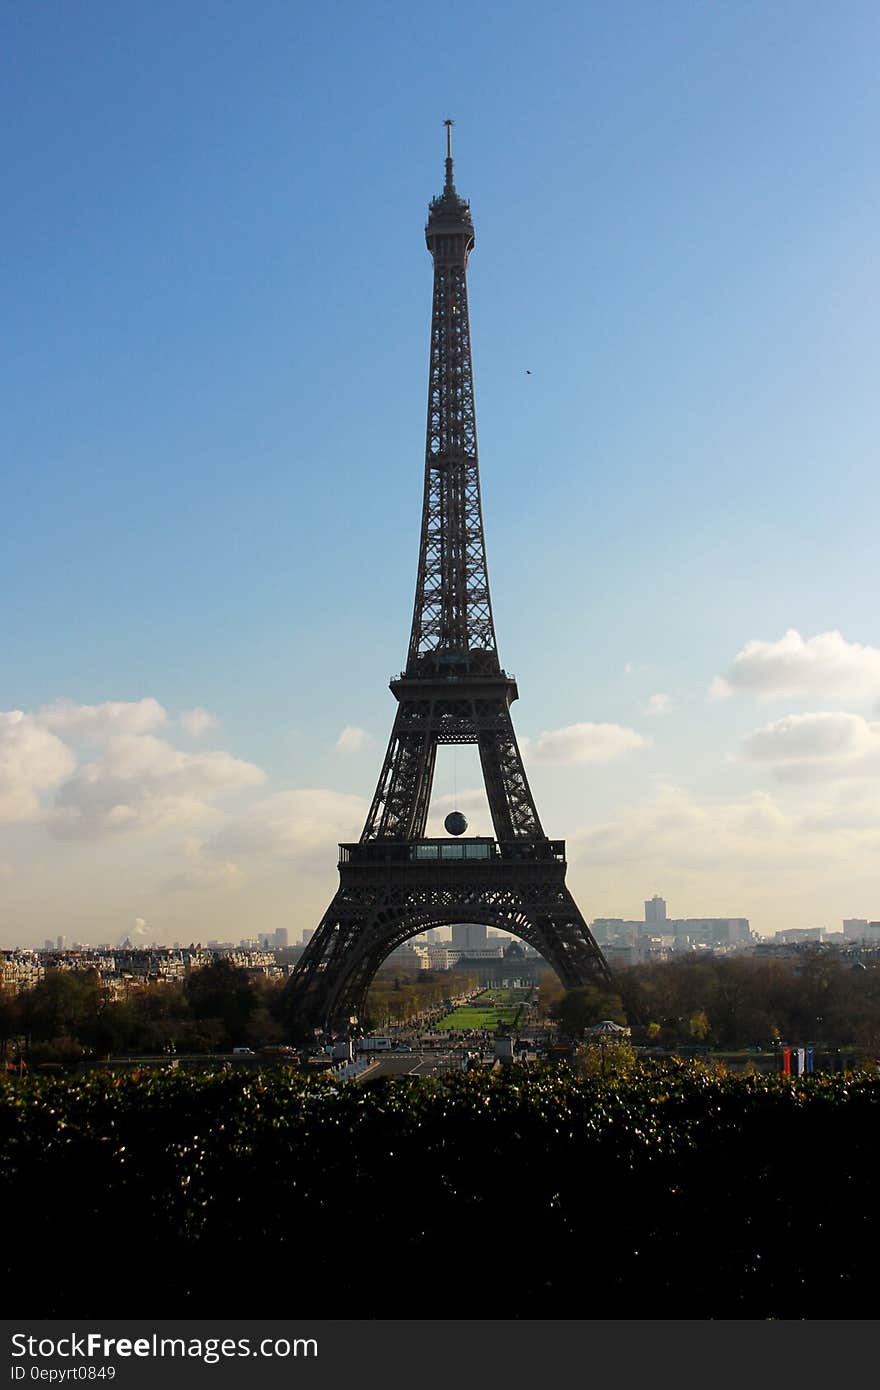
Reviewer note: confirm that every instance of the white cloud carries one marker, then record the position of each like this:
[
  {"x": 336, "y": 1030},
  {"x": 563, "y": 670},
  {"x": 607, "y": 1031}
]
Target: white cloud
[
  {"x": 823, "y": 665},
  {"x": 807, "y": 747},
  {"x": 32, "y": 760},
  {"x": 352, "y": 740},
  {"x": 135, "y": 781},
  {"x": 101, "y": 721},
  {"x": 676, "y": 835},
  {"x": 783, "y": 858},
  {"x": 584, "y": 743},
  {"x": 658, "y": 704},
  {"x": 143, "y": 782},
  {"x": 678, "y": 830},
  {"x": 470, "y": 798},
  {"x": 291, "y": 824},
  {"x": 197, "y": 721},
  {"x": 799, "y": 737}
]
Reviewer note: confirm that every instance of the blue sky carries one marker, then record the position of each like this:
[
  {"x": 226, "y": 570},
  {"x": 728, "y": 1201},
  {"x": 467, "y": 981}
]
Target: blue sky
[{"x": 216, "y": 297}]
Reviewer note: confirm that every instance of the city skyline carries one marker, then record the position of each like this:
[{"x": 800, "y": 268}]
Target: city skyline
[{"x": 219, "y": 303}]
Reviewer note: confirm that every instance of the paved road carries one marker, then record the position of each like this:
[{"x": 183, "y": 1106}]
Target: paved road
[{"x": 412, "y": 1064}]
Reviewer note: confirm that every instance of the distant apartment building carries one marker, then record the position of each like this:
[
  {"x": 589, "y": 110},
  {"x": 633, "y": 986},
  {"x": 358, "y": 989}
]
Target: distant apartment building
[
  {"x": 795, "y": 936},
  {"x": 618, "y": 956},
  {"x": 20, "y": 970},
  {"x": 469, "y": 936},
  {"x": 713, "y": 931},
  {"x": 613, "y": 931},
  {"x": 279, "y": 939},
  {"x": 457, "y": 953},
  {"x": 126, "y": 967},
  {"x": 860, "y": 929},
  {"x": 625, "y": 941},
  {"x": 855, "y": 928},
  {"x": 409, "y": 957},
  {"x": 438, "y": 954}
]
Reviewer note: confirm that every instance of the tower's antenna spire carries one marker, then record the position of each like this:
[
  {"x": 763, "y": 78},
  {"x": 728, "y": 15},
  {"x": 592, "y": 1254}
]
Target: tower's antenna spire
[{"x": 449, "y": 182}]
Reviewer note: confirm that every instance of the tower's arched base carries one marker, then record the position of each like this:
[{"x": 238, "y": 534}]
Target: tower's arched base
[{"x": 390, "y": 891}]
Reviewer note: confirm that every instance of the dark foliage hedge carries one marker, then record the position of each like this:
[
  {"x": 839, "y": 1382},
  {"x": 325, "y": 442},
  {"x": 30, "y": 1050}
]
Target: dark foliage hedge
[{"x": 675, "y": 1194}]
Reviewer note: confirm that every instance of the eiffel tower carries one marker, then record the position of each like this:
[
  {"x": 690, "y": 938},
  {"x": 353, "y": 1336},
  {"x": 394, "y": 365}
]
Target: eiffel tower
[{"x": 395, "y": 882}]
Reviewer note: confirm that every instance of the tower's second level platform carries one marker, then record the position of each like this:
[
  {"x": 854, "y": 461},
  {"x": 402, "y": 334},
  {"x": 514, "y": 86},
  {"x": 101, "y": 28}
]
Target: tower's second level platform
[{"x": 476, "y": 850}]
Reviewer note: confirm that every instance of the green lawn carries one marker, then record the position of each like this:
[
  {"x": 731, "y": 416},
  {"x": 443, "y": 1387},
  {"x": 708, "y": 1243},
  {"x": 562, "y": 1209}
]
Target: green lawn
[{"x": 492, "y": 1008}]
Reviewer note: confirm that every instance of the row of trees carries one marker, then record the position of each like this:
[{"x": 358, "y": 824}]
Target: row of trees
[
  {"x": 720, "y": 1002},
  {"x": 70, "y": 1013},
  {"x": 736, "y": 1002},
  {"x": 396, "y": 1000}
]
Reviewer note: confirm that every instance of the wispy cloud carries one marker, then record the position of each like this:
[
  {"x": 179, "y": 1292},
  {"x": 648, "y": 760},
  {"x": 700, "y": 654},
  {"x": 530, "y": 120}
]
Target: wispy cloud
[
  {"x": 658, "y": 704},
  {"x": 778, "y": 858},
  {"x": 677, "y": 833},
  {"x": 291, "y": 824},
  {"x": 468, "y": 799},
  {"x": 198, "y": 721},
  {"x": 824, "y": 745},
  {"x": 223, "y": 876},
  {"x": 584, "y": 743},
  {"x": 675, "y": 829},
  {"x": 352, "y": 740},
  {"x": 101, "y": 721},
  {"x": 821, "y": 735}
]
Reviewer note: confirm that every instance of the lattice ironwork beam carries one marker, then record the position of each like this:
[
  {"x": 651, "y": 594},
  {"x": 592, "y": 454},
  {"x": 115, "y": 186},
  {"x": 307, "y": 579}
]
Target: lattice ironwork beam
[{"x": 452, "y": 691}]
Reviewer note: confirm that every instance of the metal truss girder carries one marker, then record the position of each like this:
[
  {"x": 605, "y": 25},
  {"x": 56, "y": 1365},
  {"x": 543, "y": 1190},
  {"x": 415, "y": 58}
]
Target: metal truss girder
[
  {"x": 452, "y": 613},
  {"x": 453, "y": 691},
  {"x": 365, "y": 923},
  {"x": 471, "y": 715}
]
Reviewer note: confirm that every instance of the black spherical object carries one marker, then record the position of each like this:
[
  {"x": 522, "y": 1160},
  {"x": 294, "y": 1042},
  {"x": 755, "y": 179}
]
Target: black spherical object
[{"x": 455, "y": 823}]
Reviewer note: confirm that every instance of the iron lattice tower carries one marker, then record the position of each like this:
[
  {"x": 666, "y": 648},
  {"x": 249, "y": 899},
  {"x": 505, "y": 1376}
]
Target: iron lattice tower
[{"x": 394, "y": 882}]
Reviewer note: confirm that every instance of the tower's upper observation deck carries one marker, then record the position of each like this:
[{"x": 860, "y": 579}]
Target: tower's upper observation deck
[{"x": 449, "y": 231}]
